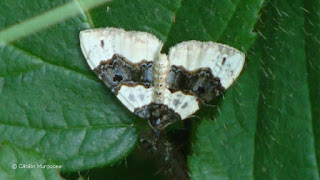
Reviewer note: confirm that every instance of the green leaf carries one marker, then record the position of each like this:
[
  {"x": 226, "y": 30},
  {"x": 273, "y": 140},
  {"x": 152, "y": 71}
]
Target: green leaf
[
  {"x": 16, "y": 163},
  {"x": 266, "y": 126},
  {"x": 228, "y": 22},
  {"x": 36, "y": 23},
  {"x": 312, "y": 47},
  {"x": 52, "y": 103},
  {"x": 284, "y": 144},
  {"x": 153, "y": 16}
]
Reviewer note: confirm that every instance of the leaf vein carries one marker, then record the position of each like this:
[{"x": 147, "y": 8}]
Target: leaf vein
[{"x": 54, "y": 65}]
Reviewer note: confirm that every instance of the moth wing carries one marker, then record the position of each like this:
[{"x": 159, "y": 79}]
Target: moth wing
[
  {"x": 101, "y": 44},
  {"x": 183, "y": 104},
  {"x": 135, "y": 97},
  {"x": 224, "y": 61}
]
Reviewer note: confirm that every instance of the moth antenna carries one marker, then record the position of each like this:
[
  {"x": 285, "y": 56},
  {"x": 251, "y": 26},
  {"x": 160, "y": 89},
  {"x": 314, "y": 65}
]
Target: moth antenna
[
  {"x": 194, "y": 116},
  {"x": 209, "y": 105}
]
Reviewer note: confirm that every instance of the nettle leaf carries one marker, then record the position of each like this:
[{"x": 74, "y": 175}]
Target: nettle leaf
[
  {"x": 285, "y": 138},
  {"x": 52, "y": 103},
  {"x": 266, "y": 126},
  {"x": 16, "y": 163},
  {"x": 155, "y": 16}
]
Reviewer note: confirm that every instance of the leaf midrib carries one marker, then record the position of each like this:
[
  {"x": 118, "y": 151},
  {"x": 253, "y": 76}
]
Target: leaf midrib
[{"x": 72, "y": 128}]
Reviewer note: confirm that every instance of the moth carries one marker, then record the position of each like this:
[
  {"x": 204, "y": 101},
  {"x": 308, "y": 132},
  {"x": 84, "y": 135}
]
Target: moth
[{"x": 160, "y": 88}]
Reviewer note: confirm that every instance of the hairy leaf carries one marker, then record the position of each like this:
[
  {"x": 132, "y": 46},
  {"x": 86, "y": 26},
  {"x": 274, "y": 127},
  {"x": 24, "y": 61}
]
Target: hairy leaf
[
  {"x": 16, "y": 163},
  {"x": 284, "y": 143},
  {"x": 312, "y": 47},
  {"x": 265, "y": 127},
  {"x": 52, "y": 103}
]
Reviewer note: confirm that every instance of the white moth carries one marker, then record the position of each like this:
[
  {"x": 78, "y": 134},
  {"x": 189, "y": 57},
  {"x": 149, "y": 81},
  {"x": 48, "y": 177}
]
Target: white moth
[{"x": 162, "y": 89}]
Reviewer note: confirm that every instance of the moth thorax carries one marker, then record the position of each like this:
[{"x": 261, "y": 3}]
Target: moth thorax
[{"x": 161, "y": 71}]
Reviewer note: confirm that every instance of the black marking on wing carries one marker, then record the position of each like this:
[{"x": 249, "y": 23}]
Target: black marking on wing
[
  {"x": 200, "y": 83},
  {"x": 119, "y": 71}
]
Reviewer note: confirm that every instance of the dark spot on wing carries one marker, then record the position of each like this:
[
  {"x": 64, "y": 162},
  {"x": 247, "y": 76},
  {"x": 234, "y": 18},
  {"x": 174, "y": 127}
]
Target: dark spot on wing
[
  {"x": 131, "y": 97},
  {"x": 141, "y": 97},
  {"x": 224, "y": 60},
  {"x": 184, "y": 105},
  {"x": 117, "y": 77},
  {"x": 176, "y": 102},
  {"x": 102, "y": 43}
]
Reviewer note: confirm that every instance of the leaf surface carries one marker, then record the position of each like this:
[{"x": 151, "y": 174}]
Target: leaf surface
[
  {"x": 266, "y": 126},
  {"x": 52, "y": 103},
  {"x": 284, "y": 143},
  {"x": 16, "y": 163}
]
